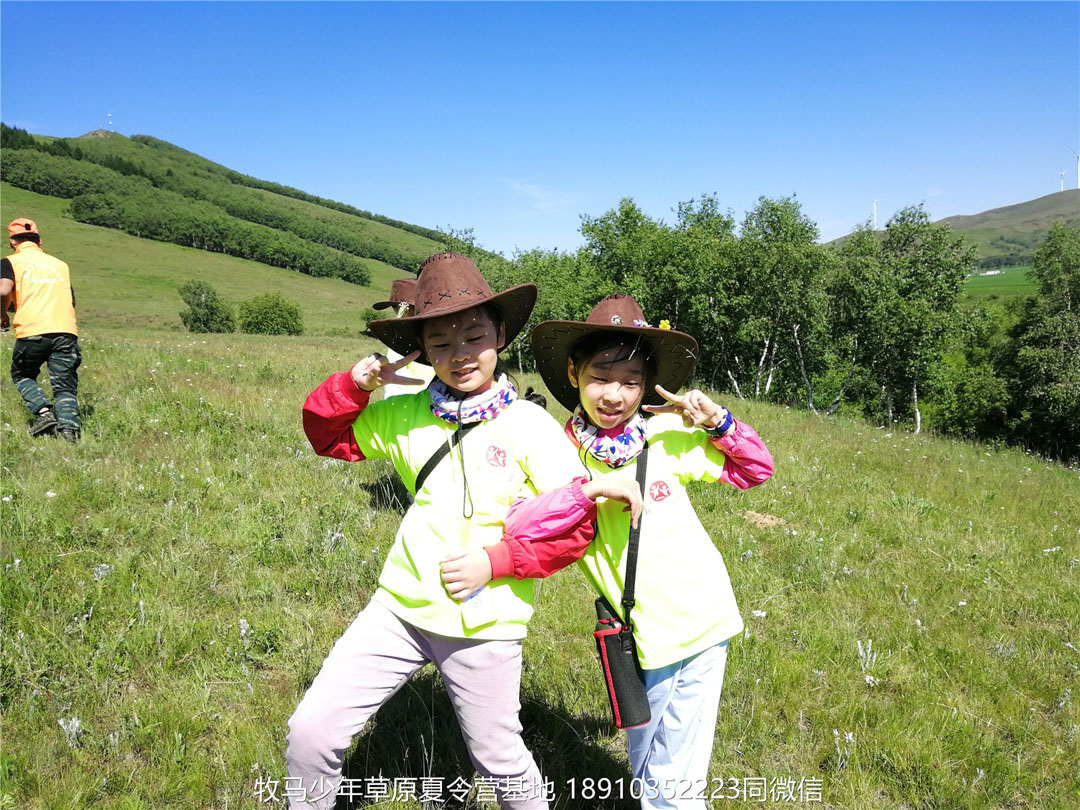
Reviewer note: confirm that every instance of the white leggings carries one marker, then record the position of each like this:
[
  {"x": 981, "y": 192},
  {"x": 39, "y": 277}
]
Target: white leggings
[{"x": 370, "y": 662}]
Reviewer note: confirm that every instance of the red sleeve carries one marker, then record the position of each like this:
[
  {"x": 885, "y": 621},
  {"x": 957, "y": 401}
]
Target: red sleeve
[
  {"x": 544, "y": 534},
  {"x": 747, "y": 461},
  {"x": 329, "y": 413}
]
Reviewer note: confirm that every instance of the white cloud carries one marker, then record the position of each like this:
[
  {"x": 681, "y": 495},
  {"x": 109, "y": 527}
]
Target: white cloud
[{"x": 543, "y": 200}]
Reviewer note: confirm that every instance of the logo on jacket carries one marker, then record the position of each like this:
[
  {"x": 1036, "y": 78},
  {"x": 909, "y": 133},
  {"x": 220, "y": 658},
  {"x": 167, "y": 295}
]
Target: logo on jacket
[
  {"x": 659, "y": 490},
  {"x": 496, "y": 456}
]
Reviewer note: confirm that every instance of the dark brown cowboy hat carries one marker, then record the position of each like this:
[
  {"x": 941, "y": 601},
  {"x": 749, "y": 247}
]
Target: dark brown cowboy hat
[
  {"x": 675, "y": 353},
  {"x": 402, "y": 291},
  {"x": 449, "y": 283}
]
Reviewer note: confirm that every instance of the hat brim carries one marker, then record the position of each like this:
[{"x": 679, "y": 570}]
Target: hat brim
[
  {"x": 514, "y": 304},
  {"x": 675, "y": 353}
]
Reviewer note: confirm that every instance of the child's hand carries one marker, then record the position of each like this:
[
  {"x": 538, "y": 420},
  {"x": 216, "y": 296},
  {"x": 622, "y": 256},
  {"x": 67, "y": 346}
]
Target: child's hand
[
  {"x": 695, "y": 408},
  {"x": 466, "y": 573},
  {"x": 375, "y": 371},
  {"x": 626, "y": 491}
]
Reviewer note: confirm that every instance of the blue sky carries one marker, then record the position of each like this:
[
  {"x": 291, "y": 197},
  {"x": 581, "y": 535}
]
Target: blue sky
[{"x": 515, "y": 119}]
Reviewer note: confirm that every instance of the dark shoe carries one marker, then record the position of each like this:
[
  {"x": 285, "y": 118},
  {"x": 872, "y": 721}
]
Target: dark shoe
[
  {"x": 44, "y": 422},
  {"x": 68, "y": 434}
]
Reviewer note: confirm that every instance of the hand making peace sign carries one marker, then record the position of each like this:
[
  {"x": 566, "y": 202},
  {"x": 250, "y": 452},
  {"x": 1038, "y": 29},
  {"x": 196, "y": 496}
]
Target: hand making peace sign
[
  {"x": 375, "y": 371},
  {"x": 695, "y": 408}
]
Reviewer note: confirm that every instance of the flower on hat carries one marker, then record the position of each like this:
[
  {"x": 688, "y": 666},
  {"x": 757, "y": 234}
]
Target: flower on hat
[
  {"x": 640, "y": 323},
  {"x": 665, "y": 324}
]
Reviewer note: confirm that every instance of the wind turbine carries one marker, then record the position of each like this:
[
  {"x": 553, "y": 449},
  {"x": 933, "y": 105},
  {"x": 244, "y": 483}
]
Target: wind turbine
[
  {"x": 1062, "y": 181},
  {"x": 875, "y": 214},
  {"x": 1077, "y": 165}
]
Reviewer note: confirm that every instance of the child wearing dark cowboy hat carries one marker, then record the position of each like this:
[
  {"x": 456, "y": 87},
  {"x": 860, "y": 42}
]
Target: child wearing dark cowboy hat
[
  {"x": 432, "y": 603},
  {"x": 610, "y": 371}
]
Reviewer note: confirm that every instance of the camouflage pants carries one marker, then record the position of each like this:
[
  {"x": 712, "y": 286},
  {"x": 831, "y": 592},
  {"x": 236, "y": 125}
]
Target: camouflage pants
[{"x": 61, "y": 351}]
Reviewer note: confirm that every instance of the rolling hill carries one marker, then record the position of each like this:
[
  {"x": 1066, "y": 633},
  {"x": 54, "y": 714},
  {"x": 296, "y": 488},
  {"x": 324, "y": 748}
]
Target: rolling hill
[
  {"x": 1008, "y": 236},
  {"x": 147, "y": 187}
]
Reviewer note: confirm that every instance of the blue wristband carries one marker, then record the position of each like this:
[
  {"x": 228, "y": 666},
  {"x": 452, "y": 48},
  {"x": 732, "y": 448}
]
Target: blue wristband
[{"x": 724, "y": 425}]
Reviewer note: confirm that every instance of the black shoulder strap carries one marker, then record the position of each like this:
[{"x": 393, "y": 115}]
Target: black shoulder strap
[
  {"x": 439, "y": 454},
  {"x": 635, "y": 534}
]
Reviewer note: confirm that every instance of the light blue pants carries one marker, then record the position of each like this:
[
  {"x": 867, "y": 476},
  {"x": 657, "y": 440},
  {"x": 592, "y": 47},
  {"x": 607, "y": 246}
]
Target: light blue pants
[{"x": 673, "y": 751}]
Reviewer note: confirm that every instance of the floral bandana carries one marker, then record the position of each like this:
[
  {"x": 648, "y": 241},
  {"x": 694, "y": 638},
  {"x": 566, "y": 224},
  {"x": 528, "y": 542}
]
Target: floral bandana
[
  {"x": 476, "y": 408},
  {"x": 615, "y": 451}
]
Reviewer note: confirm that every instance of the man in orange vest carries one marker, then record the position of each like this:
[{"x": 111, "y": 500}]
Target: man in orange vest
[{"x": 45, "y": 331}]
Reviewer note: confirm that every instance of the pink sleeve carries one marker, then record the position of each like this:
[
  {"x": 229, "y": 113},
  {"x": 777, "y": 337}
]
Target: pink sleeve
[
  {"x": 747, "y": 461},
  {"x": 544, "y": 534},
  {"x": 329, "y": 413}
]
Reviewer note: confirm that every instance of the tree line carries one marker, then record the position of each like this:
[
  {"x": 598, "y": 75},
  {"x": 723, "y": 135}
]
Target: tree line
[
  {"x": 130, "y": 203},
  {"x": 297, "y": 194},
  {"x": 875, "y": 327}
]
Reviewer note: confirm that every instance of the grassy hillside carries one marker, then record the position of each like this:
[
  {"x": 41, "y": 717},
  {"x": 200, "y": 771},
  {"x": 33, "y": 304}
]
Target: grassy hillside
[
  {"x": 147, "y": 187},
  {"x": 122, "y": 280},
  {"x": 158, "y": 157},
  {"x": 171, "y": 585},
  {"x": 1011, "y": 234},
  {"x": 1007, "y": 238}
]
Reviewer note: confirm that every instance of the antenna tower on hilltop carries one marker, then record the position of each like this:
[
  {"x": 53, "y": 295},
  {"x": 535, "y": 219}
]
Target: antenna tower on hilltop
[{"x": 110, "y": 122}]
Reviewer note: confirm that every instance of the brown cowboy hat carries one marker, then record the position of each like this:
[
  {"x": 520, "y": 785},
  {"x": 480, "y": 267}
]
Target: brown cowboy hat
[
  {"x": 402, "y": 291},
  {"x": 675, "y": 353},
  {"x": 449, "y": 283}
]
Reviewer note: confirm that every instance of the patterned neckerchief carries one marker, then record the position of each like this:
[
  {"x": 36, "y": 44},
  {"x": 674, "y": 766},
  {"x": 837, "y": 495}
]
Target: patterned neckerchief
[
  {"x": 475, "y": 408},
  {"x": 613, "y": 450}
]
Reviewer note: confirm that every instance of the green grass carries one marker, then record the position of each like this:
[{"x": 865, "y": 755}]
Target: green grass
[
  {"x": 1009, "y": 281},
  {"x": 132, "y": 563}
]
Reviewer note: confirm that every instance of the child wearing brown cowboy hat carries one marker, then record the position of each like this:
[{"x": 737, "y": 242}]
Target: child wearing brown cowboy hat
[
  {"x": 610, "y": 371},
  {"x": 466, "y": 447}
]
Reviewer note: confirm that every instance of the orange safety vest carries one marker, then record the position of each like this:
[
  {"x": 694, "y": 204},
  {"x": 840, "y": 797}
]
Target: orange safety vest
[{"x": 42, "y": 293}]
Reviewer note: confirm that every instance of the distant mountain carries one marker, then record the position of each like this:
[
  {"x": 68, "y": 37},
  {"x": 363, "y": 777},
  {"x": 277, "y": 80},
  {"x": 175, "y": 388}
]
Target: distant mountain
[
  {"x": 1008, "y": 236},
  {"x": 153, "y": 189}
]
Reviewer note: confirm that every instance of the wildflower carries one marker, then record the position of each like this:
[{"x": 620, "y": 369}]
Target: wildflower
[
  {"x": 1051, "y": 550},
  {"x": 746, "y": 555},
  {"x": 843, "y": 752},
  {"x": 50, "y": 494},
  {"x": 867, "y": 658},
  {"x": 72, "y": 730},
  {"x": 245, "y": 628},
  {"x": 333, "y": 538},
  {"x": 1064, "y": 700},
  {"x": 759, "y": 614},
  {"x": 101, "y": 571}
]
